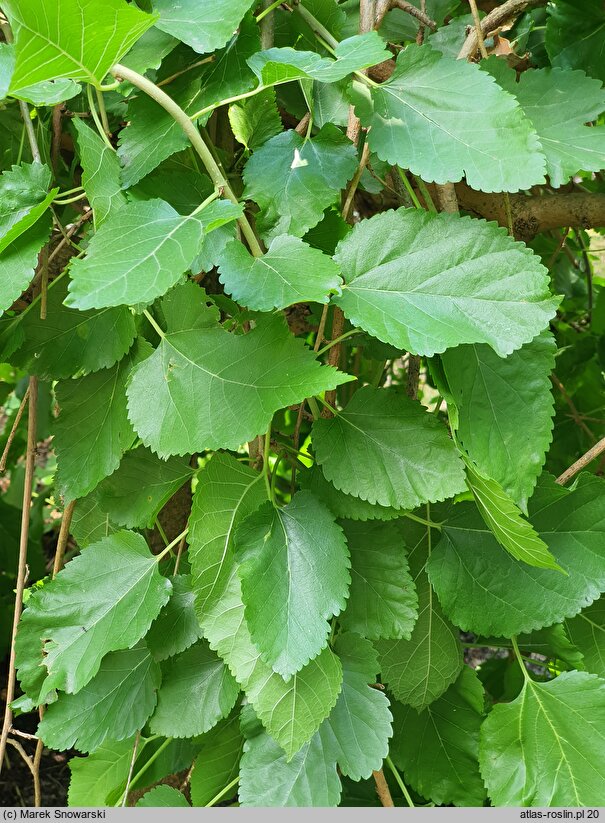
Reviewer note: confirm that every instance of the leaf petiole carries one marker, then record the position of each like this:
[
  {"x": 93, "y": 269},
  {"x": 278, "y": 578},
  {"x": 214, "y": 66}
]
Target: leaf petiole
[
  {"x": 430, "y": 523},
  {"x": 153, "y": 322},
  {"x": 519, "y": 657},
  {"x": 171, "y": 545},
  {"x": 400, "y": 783},
  {"x": 339, "y": 340},
  {"x": 224, "y": 791}
]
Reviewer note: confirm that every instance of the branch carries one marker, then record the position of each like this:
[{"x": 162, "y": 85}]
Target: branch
[
  {"x": 534, "y": 214},
  {"x": 580, "y": 464},
  {"x": 421, "y": 16},
  {"x": 382, "y": 788},
  {"x": 494, "y": 20}
]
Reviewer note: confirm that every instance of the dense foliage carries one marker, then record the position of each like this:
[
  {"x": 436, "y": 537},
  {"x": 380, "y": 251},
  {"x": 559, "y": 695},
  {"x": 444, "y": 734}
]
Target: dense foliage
[{"x": 303, "y": 326}]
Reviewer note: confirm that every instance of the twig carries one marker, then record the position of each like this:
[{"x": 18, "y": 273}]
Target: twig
[
  {"x": 24, "y": 756},
  {"x": 56, "y": 136},
  {"x": 365, "y": 156},
  {"x": 588, "y": 268},
  {"x": 36, "y": 765},
  {"x": 574, "y": 412},
  {"x": 69, "y": 233},
  {"x": 25, "y": 735},
  {"x": 382, "y": 788},
  {"x": 580, "y": 464},
  {"x": 421, "y": 28},
  {"x": 420, "y": 15},
  {"x": 478, "y": 30},
  {"x": 413, "y": 376},
  {"x": 30, "y": 459},
  {"x": 63, "y": 535},
  {"x": 558, "y": 250},
  {"x": 494, "y": 20},
  {"x": 13, "y": 430}
]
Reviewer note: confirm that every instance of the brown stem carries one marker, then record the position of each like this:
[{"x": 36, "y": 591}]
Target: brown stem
[
  {"x": 580, "y": 464},
  {"x": 13, "y": 430},
  {"x": 413, "y": 376},
  {"x": 494, "y": 20},
  {"x": 30, "y": 459},
  {"x": 446, "y": 197},
  {"x": 421, "y": 28},
  {"x": 478, "y": 30},
  {"x": 382, "y": 788},
  {"x": 63, "y": 536},
  {"x": 365, "y": 156},
  {"x": 36, "y": 764},
  {"x": 24, "y": 756},
  {"x": 415, "y": 12},
  {"x": 572, "y": 407},
  {"x": 56, "y": 136}
]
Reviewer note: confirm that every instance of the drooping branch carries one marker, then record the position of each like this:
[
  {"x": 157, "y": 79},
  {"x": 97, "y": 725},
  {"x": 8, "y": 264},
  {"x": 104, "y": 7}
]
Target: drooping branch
[
  {"x": 497, "y": 18},
  {"x": 534, "y": 214}
]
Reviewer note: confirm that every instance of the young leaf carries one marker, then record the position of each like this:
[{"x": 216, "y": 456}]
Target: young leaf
[
  {"x": 358, "y": 729},
  {"x": 200, "y": 23},
  {"x": 289, "y": 272},
  {"x": 227, "y": 491},
  {"x": 294, "y": 570},
  {"x": 438, "y": 748},
  {"x": 353, "y": 54},
  {"x": 424, "y": 118},
  {"x": 343, "y": 505},
  {"x": 163, "y": 797},
  {"x": 197, "y": 691},
  {"x": 113, "y": 706},
  {"x": 189, "y": 395},
  {"x": 506, "y": 523},
  {"x": 385, "y": 448},
  {"x": 19, "y": 260},
  {"x": 99, "y": 779},
  {"x": 492, "y": 395},
  {"x": 92, "y": 430},
  {"x": 69, "y": 342},
  {"x": 104, "y": 600},
  {"x": 137, "y": 491},
  {"x": 268, "y": 778},
  {"x": 140, "y": 252},
  {"x": 427, "y": 282},
  {"x": 587, "y": 632},
  {"x": 255, "y": 120},
  {"x": 419, "y": 670},
  {"x": 382, "y": 601},
  {"x": 293, "y": 179},
  {"x": 547, "y": 747},
  {"x": 73, "y": 38},
  {"x": 100, "y": 173},
  {"x": 217, "y": 763},
  {"x": 484, "y": 590},
  {"x": 24, "y": 197},
  {"x": 176, "y": 628},
  {"x": 559, "y": 104}
]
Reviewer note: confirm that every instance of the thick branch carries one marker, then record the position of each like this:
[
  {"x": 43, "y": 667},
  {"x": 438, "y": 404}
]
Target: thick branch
[
  {"x": 494, "y": 20},
  {"x": 532, "y": 215}
]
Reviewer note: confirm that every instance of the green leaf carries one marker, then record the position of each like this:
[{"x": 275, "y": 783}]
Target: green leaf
[
  {"x": 547, "y": 747},
  {"x": 268, "y": 778},
  {"x": 149, "y": 51},
  {"x": 104, "y": 600},
  {"x": 438, "y": 748},
  {"x": 47, "y": 93},
  {"x": 385, "y": 448},
  {"x": 73, "y": 38},
  {"x": 587, "y": 632},
  {"x": 89, "y": 523},
  {"x": 492, "y": 395},
  {"x": 483, "y": 589},
  {"x": 176, "y": 627},
  {"x": 163, "y": 796},
  {"x": 357, "y": 732},
  {"x": 424, "y": 118},
  {"x": 353, "y": 54},
  {"x": 188, "y": 396},
  {"x": 139, "y": 252},
  {"x": 99, "y": 779},
  {"x": 289, "y": 272},
  {"x": 112, "y": 706},
  {"x": 199, "y": 23},
  {"x": 293, "y": 711},
  {"x": 217, "y": 763},
  {"x": 255, "y": 120},
  {"x": 227, "y": 491},
  {"x": 19, "y": 261},
  {"x": 294, "y": 571},
  {"x": 343, "y": 505},
  {"x": 24, "y": 198},
  {"x": 559, "y": 104},
  {"x": 506, "y": 523},
  {"x": 137, "y": 491},
  {"x": 92, "y": 430},
  {"x": 69, "y": 341},
  {"x": 293, "y": 179},
  {"x": 382, "y": 601},
  {"x": 197, "y": 691},
  {"x": 426, "y": 282},
  {"x": 575, "y": 36},
  {"x": 100, "y": 173},
  {"x": 419, "y": 670}
]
